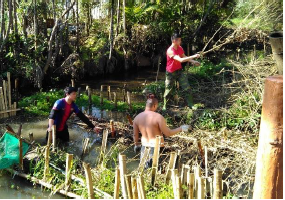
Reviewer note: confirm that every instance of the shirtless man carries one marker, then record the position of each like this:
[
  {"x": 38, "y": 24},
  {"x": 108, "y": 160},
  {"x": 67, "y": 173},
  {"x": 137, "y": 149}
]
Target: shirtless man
[{"x": 150, "y": 124}]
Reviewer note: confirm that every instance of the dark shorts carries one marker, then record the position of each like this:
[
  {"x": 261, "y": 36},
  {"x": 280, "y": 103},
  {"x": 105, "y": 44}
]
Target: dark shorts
[
  {"x": 63, "y": 135},
  {"x": 148, "y": 163}
]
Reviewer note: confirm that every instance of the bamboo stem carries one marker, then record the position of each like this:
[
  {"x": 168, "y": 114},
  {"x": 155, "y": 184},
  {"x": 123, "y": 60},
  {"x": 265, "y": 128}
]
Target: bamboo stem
[
  {"x": 155, "y": 159},
  {"x": 85, "y": 146},
  {"x": 123, "y": 169},
  {"x": 171, "y": 166},
  {"x": 101, "y": 94},
  {"x": 53, "y": 138},
  {"x": 206, "y": 161},
  {"x": 117, "y": 184},
  {"x": 49, "y": 141},
  {"x": 9, "y": 89},
  {"x": 140, "y": 184},
  {"x": 113, "y": 131},
  {"x": 89, "y": 180},
  {"x": 115, "y": 100},
  {"x": 201, "y": 188},
  {"x": 129, "y": 186},
  {"x": 190, "y": 178},
  {"x": 109, "y": 92},
  {"x": 46, "y": 168},
  {"x": 134, "y": 188},
  {"x": 218, "y": 184},
  {"x": 129, "y": 100},
  {"x": 69, "y": 162}
]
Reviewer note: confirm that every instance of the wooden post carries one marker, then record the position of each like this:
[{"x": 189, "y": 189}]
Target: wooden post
[
  {"x": 117, "y": 184},
  {"x": 171, "y": 166},
  {"x": 140, "y": 185},
  {"x": 46, "y": 168},
  {"x": 206, "y": 161},
  {"x": 89, "y": 96},
  {"x": 130, "y": 119},
  {"x": 123, "y": 170},
  {"x": 197, "y": 176},
  {"x": 113, "y": 131},
  {"x": 218, "y": 191},
  {"x": 49, "y": 141},
  {"x": 129, "y": 186},
  {"x": 104, "y": 145},
  {"x": 178, "y": 187},
  {"x": 201, "y": 188},
  {"x": 3, "y": 101},
  {"x": 143, "y": 160},
  {"x": 9, "y": 89},
  {"x": 115, "y": 100},
  {"x": 175, "y": 185},
  {"x": 31, "y": 137},
  {"x": 21, "y": 153},
  {"x": 134, "y": 188},
  {"x": 101, "y": 95},
  {"x": 69, "y": 159},
  {"x": 5, "y": 97},
  {"x": 201, "y": 151},
  {"x": 89, "y": 183},
  {"x": 109, "y": 92},
  {"x": 53, "y": 138},
  {"x": 269, "y": 160},
  {"x": 190, "y": 183},
  {"x": 129, "y": 100},
  {"x": 72, "y": 83},
  {"x": 85, "y": 146},
  {"x": 155, "y": 159}
]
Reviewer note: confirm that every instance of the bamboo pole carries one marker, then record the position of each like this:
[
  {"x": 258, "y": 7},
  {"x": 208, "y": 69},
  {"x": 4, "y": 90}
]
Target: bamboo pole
[
  {"x": 113, "y": 131},
  {"x": 85, "y": 146},
  {"x": 171, "y": 166},
  {"x": 218, "y": 184},
  {"x": 49, "y": 141},
  {"x": 269, "y": 160},
  {"x": 109, "y": 92},
  {"x": 9, "y": 111},
  {"x": 115, "y": 100},
  {"x": 40, "y": 182},
  {"x": 155, "y": 159},
  {"x": 117, "y": 184},
  {"x": 129, "y": 100},
  {"x": 201, "y": 188},
  {"x": 89, "y": 183},
  {"x": 9, "y": 89},
  {"x": 15, "y": 108},
  {"x": 53, "y": 138},
  {"x": 175, "y": 186},
  {"x": 129, "y": 186},
  {"x": 89, "y": 96},
  {"x": 72, "y": 83},
  {"x": 206, "y": 161},
  {"x": 143, "y": 160},
  {"x": 134, "y": 188},
  {"x": 197, "y": 176},
  {"x": 123, "y": 170},
  {"x": 190, "y": 183},
  {"x": 140, "y": 185},
  {"x": 21, "y": 153},
  {"x": 3, "y": 102},
  {"x": 5, "y": 96},
  {"x": 101, "y": 95},
  {"x": 69, "y": 162},
  {"x": 46, "y": 168},
  {"x": 31, "y": 137}
]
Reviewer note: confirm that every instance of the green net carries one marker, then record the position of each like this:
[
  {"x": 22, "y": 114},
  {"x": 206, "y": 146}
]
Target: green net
[{"x": 9, "y": 150}]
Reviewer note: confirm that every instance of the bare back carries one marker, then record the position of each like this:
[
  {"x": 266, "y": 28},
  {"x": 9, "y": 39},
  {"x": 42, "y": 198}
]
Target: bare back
[{"x": 147, "y": 123}]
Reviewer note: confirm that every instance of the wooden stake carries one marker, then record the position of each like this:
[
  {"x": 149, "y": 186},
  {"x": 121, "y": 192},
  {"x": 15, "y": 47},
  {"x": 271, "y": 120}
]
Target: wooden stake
[
  {"x": 190, "y": 180},
  {"x": 129, "y": 100},
  {"x": 155, "y": 159},
  {"x": 197, "y": 176},
  {"x": 109, "y": 92},
  {"x": 123, "y": 170},
  {"x": 175, "y": 185},
  {"x": 3, "y": 101},
  {"x": 113, "y": 131},
  {"x": 143, "y": 160},
  {"x": 5, "y": 97},
  {"x": 269, "y": 160},
  {"x": 69, "y": 159},
  {"x": 129, "y": 186},
  {"x": 201, "y": 188},
  {"x": 49, "y": 141},
  {"x": 31, "y": 137},
  {"x": 46, "y": 168},
  {"x": 89, "y": 96},
  {"x": 130, "y": 119},
  {"x": 171, "y": 166},
  {"x": 101, "y": 95},
  {"x": 21, "y": 153},
  {"x": 85, "y": 146},
  {"x": 53, "y": 138},
  {"x": 115, "y": 100},
  {"x": 9, "y": 89},
  {"x": 218, "y": 184},
  {"x": 88, "y": 180},
  {"x": 201, "y": 151},
  {"x": 117, "y": 184},
  {"x": 72, "y": 83},
  {"x": 206, "y": 161},
  {"x": 134, "y": 188},
  {"x": 140, "y": 185}
]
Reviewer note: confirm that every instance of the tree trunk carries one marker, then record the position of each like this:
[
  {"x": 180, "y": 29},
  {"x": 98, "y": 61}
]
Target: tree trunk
[
  {"x": 2, "y": 20},
  {"x": 35, "y": 24},
  {"x": 111, "y": 30},
  {"x": 118, "y": 18},
  {"x": 124, "y": 16},
  {"x": 77, "y": 27},
  {"x": 15, "y": 18},
  {"x": 9, "y": 26},
  {"x": 25, "y": 22}
]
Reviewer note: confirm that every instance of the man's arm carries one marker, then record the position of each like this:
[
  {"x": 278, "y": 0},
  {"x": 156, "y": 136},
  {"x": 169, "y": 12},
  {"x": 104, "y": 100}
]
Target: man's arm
[
  {"x": 136, "y": 133},
  {"x": 165, "y": 130},
  {"x": 83, "y": 118}
]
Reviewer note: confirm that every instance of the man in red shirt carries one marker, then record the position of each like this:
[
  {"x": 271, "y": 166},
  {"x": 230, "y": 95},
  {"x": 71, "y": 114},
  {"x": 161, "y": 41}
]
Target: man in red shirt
[{"x": 174, "y": 72}]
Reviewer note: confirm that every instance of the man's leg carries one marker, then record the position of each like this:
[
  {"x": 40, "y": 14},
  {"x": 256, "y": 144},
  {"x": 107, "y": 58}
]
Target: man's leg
[
  {"x": 186, "y": 90},
  {"x": 169, "y": 85},
  {"x": 63, "y": 135}
]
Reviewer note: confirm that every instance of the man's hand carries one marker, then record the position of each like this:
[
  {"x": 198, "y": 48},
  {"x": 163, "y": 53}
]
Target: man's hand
[
  {"x": 195, "y": 63},
  {"x": 137, "y": 148},
  {"x": 97, "y": 130},
  {"x": 185, "y": 128},
  {"x": 48, "y": 129},
  {"x": 197, "y": 55}
]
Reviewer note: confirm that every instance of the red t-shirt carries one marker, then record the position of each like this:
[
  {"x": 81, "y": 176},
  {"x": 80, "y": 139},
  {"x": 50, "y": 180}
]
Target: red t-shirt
[
  {"x": 66, "y": 114},
  {"x": 174, "y": 65}
]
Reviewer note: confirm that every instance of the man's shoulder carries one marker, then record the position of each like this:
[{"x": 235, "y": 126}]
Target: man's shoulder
[{"x": 59, "y": 102}]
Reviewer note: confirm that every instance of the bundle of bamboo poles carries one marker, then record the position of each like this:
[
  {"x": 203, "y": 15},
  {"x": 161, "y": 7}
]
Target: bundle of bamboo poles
[{"x": 7, "y": 108}]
